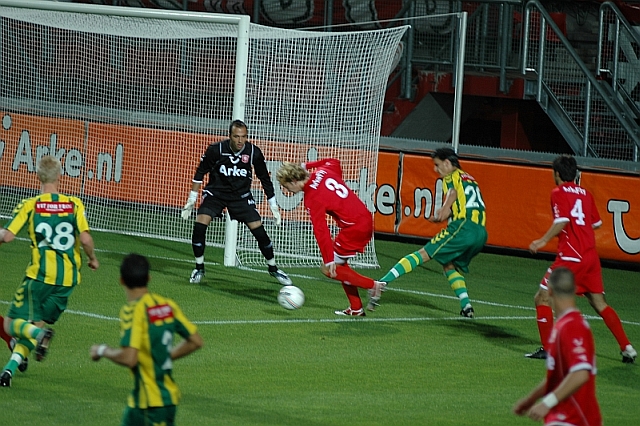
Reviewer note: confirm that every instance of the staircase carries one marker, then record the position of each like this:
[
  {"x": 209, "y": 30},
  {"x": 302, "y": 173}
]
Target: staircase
[
  {"x": 593, "y": 119},
  {"x": 596, "y": 114}
]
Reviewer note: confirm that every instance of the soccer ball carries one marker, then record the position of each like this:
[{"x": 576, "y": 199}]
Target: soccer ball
[{"x": 291, "y": 297}]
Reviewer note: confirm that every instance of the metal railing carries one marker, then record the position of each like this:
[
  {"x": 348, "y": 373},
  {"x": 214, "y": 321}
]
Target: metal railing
[
  {"x": 492, "y": 43},
  {"x": 491, "y": 28},
  {"x": 617, "y": 61},
  {"x": 590, "y": 116}
]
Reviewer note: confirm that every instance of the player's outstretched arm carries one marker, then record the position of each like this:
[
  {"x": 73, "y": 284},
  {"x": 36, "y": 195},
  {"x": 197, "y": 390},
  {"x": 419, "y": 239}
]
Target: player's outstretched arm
[
  {"x": 87, "y": 245},
  {"x": 554, "y": 230},
  {"x": 323, "y": 162},
  {"x": 568, "y": 387},
  {"x": 126, "y": 356}
]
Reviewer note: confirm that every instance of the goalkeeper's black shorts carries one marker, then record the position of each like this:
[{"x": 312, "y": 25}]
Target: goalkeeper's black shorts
[{"x": 240, "y": 209}]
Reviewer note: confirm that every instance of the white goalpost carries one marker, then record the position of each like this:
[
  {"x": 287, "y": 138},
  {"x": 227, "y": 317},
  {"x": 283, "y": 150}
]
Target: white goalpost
[{"x": 129, "y": 98}]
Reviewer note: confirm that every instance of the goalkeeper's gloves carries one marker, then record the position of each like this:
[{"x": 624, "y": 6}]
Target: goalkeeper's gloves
[
  {"x": 273, "y": 205},
  {"x": 188, "y": 208}
]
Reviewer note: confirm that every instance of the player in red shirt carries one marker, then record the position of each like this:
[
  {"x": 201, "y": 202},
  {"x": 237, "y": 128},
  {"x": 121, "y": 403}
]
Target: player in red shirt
[
  {"x": 574, "y": 218},
  {"x": 325, "y": 193},
  {"x": 570, "y": 385}
]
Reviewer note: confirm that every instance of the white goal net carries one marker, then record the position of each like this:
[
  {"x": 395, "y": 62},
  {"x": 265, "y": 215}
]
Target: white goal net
[{"x": 129, "y": 103}]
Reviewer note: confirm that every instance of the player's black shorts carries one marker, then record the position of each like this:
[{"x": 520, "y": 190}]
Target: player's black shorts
[{"x": 239, "y": 208}]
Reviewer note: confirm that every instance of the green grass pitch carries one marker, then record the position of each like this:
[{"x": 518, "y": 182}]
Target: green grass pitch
[{"x": 414, "y": 361}]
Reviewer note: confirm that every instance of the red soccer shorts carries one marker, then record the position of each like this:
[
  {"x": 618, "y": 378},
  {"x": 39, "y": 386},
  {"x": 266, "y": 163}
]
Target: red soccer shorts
[
  {"x": 352, "y": 240},
  {"x": 587, "y": 273}
]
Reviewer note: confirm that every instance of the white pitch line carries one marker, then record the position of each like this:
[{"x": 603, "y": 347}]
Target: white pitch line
[
  {"x": 366, "y": 319},
  {"x": 335, "y": 320},
  {"x": 444, "y": 296},
  {"x": 308, "y": 320},
  {"x": 92, "y": 315}
]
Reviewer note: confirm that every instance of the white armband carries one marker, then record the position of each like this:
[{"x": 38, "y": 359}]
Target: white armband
[
  {"x": 550, "y": 400},
  {"x": 101, "y": 349}
]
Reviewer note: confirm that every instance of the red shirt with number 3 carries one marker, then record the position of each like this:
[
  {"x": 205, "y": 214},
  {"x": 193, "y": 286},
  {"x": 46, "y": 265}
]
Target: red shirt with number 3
[{"x": 326, "y": 193}]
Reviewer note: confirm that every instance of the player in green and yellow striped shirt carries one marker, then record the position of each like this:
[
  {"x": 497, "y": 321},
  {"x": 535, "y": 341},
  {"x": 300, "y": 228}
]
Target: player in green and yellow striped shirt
[
  {"x": 148, "y": 323},
  {"x": 461, "y": 240},
  {"x": 57, "y": 227}
]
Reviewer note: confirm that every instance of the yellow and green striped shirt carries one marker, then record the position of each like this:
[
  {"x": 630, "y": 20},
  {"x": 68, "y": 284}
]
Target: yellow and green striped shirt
[
  {"x": 469, "y": 203},
  {"x": 54, "y": 223},
  {"x": 148, "y": 325}
]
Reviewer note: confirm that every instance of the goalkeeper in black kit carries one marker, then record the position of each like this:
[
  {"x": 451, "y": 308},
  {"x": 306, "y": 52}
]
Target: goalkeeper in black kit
[{"x": 229, "y": 165}]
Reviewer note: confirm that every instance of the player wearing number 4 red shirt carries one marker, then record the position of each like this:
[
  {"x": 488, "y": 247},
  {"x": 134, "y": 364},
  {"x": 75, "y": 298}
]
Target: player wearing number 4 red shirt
[
  {"x": 325, "y": 193},
  {"x": 569, "y": 391},
  {"x": 57, "y": 227},
  {"x": 574, "y": 218}
]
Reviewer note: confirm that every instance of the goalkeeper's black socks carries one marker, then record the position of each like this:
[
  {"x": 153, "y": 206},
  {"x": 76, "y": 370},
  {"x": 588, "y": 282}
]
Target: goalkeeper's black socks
[{"x": 198, "y": 239}]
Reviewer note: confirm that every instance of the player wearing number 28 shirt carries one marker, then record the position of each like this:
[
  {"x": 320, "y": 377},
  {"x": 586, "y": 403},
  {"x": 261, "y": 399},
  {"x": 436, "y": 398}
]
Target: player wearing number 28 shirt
[
  {"x": 55, "y": 222},
  {"x": 325, "y": 193},
  {"x": 575, "y": 216},
  {"x": 57, "y": 227}
]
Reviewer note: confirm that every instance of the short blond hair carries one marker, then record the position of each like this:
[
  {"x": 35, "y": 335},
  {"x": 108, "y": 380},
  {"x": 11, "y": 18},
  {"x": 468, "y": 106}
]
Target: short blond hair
[
  {"x": 291, "y": 172},
  {"x": 49, "y": 169}
]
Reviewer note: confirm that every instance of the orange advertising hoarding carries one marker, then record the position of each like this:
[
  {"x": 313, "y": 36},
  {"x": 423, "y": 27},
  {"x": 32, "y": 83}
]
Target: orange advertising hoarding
[
  {"x": 150, "y": 166},
  {"x": 142, "y": 165},
  {"x": 517, "y": 200},
  {"x": 133, "y": 164},
  {"x": 386, "y": 190},
  {"x": 25, "y": 139},
  {"x": 122, "y": 163},
  {"x": 618, "y": 202}
]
